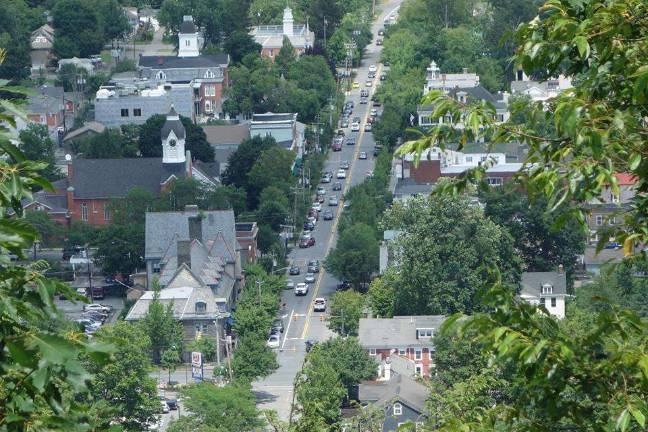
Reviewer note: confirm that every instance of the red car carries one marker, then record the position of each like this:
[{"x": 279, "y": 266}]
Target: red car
[
  {"x": 337, "y": 147},
  {"x": 305, "y": 242}
]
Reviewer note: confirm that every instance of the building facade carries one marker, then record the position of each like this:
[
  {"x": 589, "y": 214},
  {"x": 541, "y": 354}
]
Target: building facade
[
  {"x": 548, "y": 289},
  {"x": 271, "y": 37}
]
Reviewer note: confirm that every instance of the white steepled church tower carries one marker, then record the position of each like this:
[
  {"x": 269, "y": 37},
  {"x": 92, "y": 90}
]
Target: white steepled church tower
[
  {"x": 173, "y": 136},
  {"x": 188, "y": 38}
]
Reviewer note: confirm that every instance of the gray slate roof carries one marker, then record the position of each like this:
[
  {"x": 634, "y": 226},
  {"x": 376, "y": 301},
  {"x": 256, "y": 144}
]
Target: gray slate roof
[
  {"x": 47, "y": 99},
  {"x": 409, "y": 186},
  {"x": 399, "y": 331},
  {"x": 273, "y": 117},
  {"x": 173, "y": 62},
  {"x": 114, "y": 178},
  {"x": 532, "y": 283},
  {"x": 227, "y": 135},
  {"x": 187, "y": 27},
  {"x": 173, "y": 125},
  {"x": 163, "y": 228},
  {"x": 92, "y": 127},
  {"x": 399, "y": 388}
]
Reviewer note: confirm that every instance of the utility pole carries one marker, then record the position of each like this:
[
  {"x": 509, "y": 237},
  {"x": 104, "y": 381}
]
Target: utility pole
[
  {"x": 258, "y": 283},
  {"x": 90, "y": 277},
  {"x": 228, "y": 351}
]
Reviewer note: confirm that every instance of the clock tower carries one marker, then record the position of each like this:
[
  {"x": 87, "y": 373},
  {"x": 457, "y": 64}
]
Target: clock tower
[{"x": 173, "y": 136}]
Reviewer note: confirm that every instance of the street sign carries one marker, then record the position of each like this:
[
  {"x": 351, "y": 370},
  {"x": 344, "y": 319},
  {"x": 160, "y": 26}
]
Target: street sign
[
  {"x": 196, "y": 359},
  {"x": 197, "y": 373}
]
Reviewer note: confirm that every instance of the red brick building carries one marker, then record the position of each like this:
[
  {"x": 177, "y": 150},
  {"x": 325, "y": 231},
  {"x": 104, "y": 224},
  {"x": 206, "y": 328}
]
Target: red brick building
[{"x": 408, "y": 337}]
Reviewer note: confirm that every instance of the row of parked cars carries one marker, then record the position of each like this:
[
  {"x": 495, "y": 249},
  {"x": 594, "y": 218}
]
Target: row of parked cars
[{"x": 94, "y": 315}]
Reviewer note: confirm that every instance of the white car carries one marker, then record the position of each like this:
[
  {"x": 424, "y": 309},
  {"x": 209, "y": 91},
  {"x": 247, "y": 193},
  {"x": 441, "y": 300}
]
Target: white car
[
  {"x": 321, "y": 190},
  {"x": 368, "y": 83},
  {"x": 341, "y": 174},
  {"x": 273, "y": 341},
  {"x": 290, "y": 284},
  {"x": 301, "y": 289},
  {"x": 97, "y": 307},
  {"x": 355, "y": 127},
  {"x": 165, "y": 407},
  {"x": 362, "y": 155},
  {"x": 373, "y": 68},
  {"x": 374, "y": 112},
  {"x": 310, "y": 278},
  {"x": 319, "y": 305},
  {"x": 368, "y": 127},
  {"x": 317, "y": 206}
]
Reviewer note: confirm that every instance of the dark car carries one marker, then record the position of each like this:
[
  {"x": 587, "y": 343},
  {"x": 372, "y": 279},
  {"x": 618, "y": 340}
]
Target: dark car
[
  {"x": 328, "y": 215},
  {"x": 294, "y": 270},
  {"x": 172, "y": 404},
  {"x": 314, "y": 266},
  {"x": 309, "y": 345},
  {"x": 278, "y": 325},
  {"x": 377, "y": 150},
  {"x": 383, "y": 77},
  {"x": 379, "y": 41},
  {"x": 337, "y": 186},
  {"x": 343, "y": 285},
  {"x": 376, "y": 103},
  {"x": 381, "y": 32},
  {"x": 309, "y": 226},
  {"x": 70, "y": 252},
  {"x": 304, "y": 243},
  {"x": 371, "y": 75}
]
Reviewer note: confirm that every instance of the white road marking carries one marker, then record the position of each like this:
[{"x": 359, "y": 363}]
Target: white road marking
[{"x": 287, "y": 329}]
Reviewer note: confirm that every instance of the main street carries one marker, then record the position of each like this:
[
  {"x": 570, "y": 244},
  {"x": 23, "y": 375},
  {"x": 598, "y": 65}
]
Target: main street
[{"x": 300, "y": 322}]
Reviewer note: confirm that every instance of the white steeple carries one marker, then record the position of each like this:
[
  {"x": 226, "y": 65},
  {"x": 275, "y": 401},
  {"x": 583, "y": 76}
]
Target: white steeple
[
  {"x": 288, "y": 22},
  {"x": 173, "y": 136},
  {"x": 188, "y": 38}
]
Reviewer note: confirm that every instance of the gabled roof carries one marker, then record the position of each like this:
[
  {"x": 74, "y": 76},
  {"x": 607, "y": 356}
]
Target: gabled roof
[
  {"x": 398, "y": 389},
  {"x": 92, "y": 126},
  {"x": 187, "y": 26},
  {"x": 114, "y": 178},
  {"x": 626, "y": 179},
  {"x": 173, "y": 123},
  {"x": 219, "y": 135},
  {"x": 532, "y": 283}
]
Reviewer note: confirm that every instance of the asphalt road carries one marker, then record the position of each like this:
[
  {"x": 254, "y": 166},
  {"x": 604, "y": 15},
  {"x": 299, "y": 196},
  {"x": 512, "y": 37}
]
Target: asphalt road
[{"x": 300, "y": 322}]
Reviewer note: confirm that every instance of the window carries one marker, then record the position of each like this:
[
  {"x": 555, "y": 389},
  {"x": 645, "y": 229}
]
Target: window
[
  {"x": 210, "y": 74},
  {"x": 418, "y": 369},
  {"x": 468, "y": 159},
  {"x": 210, "y": 90},
  {"x": 599, "y": 220},
  {"x": 188, "y": 42},
  {"x": 106, "y": 212},
  {"x": 84, "y": 212},
  {"x": 553, "y": 302},
  {"x": 612, "y": 220},
  {"x": 124, "y": 112},
  {"x": 494, "y": 181},
  {"x": 201, "y": 328},
  {"x": 615, "y": 198},
  {"x": 137, "y": 112},
  {"x": 547, "y": 289},
  {"x": 156, "y": 268},
  {"x": 402, "y": 351},
  {"x": 398, "y": 409},
  {"x": 500, "y": 117},
  {"x": 430, "y": 352},
  {"x": 424, "y": 333},
  {"x": 418, "y": 354},
  {"x": 372, "y": 351},
  {"x": 201, "y": 307},
  {"x": 160, "y": 75},
  {"x": 542, "y": 301},
  {"x": 208, "y": 106}
]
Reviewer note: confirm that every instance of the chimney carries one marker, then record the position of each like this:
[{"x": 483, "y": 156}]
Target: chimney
[
  {"x": 195, "y": 228},
  {"x": 184, "y": 252},
  {"x": 387, "y": 369},
  {"x": 69, "y": 194},
  {"x": 465, "y": 70},
  {"x": 70, "y": 170}
]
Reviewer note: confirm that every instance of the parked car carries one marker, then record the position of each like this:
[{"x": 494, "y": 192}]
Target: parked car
[
  {"x": 373, "y": 68},
  {"x": 328, "y": 215},
  {"x": 345, "y": 165},
  {"x": 333, "y": 201},
  {"x": 172, "y": 404},
  {"x": 314, "y": 266},
  {"x": 310, "y": 278},
  {"x": 336, "y": 147},
  {"x": 278, "y": 325},
  {"x": 337, "y": 186},
  {"x": 374, "y": 112},
  {"x": 367, "y": 127},
  {"x": 294, "y": 270},
  {"x": 383, "y": 77},
  {"x": 317, "y": 206},
  {"x": 350, "y": 141},
  {"x": 344, "y": 123},
  {"x": 381, "y": 32},
  {"x": 363, "y": 100},
  {"x": 368, "y": 83},
  {"x": 379, "y": 41},
  {"x": 290, "y": 284},
  {"x": 164, "y": 408},
  {"x": 319, "y": 305},
  {"x": 309, "y": 226},
  {"x": 305, "y": 242},
  {"x": 97, "y": 307},
  {"x": 321, "y": 190},
  {"x": 376, "y": 103},
  {"x": 309, "y": 344},
  {"x": 326, "y": 178},
  {"x": 355, "y": 127},
  {"x": 341, "y": 174},
  {"x": 301, "y": 289},
  {"x": 273, "y": 341},
  {"x": 362, "y": 155},
  {"x": 320, "y": 199},
  {"x": 343, "y": 285},
  {"x": 377, "y": 150},
  {"x": 371, "y": 75}
]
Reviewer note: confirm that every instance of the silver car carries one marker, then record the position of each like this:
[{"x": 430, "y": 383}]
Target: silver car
[{"x": 310, "y": 278}]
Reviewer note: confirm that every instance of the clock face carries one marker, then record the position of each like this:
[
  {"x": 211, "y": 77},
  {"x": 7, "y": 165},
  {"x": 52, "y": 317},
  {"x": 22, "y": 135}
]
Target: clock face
[{"x": 172, "y": 143}]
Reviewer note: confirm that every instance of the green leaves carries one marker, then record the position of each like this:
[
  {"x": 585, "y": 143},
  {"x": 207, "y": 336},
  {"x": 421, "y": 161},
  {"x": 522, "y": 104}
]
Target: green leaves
[{"x": 583, "y": 46}]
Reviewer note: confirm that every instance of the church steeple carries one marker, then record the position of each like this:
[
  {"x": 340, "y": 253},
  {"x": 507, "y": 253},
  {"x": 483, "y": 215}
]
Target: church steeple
[
  {"x": 188, "y": 38},
  {"x": 173, "y": 136}
]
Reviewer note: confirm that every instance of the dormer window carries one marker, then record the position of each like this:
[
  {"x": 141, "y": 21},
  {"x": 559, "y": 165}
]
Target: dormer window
[
  {"x": 398, "y": 409},
  {"x": 160, "y": 75},
  {"x": 547, "y": 289},
  {"x": 201, "y": 307},
  {"x": 424, "y": 333},
  {"x": 210, "y": 74}
]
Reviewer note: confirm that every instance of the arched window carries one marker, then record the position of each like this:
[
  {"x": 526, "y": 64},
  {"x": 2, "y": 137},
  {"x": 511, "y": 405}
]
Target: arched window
[
  {"x": 210, "y": 74},
  {"x": 201, "y": 307},
  {"x": 398, "y": 409},
  {"x": 161, "y": 75}
]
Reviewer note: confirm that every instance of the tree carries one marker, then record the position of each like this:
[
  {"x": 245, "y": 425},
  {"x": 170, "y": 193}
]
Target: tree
[
  {"x": 69, "y": 75},
  {"x": 381, "y": 294},
  {"x": 540, "y": 243},
  {"x": 150, "y": 142},
  {"x": 109, "y": 144},
  {"x": 444, "y": 252},
  {"x": 273, "y": 168},
  {"x": 42, "y": 380},
  {"x": 36, "y": 145},
  {"x": 272, "y": 214},
  {"x": 218, "y": 409},
  {"x": 243, "y": 159},
  {"x": 355, "y": 257},
  {"x": 124, "y": 391},
  {"x": 346, "y": 308},
  {"x": 48, "y": 230},
  {"x": 161, "y": 327},
  {"x": 113, "y": 19},
  {"x": 132, "y": 208},
  {"x": 319, "y": 393},
  {"x": 170, "y": 359},
  {"x": 240, "y": 44},
  {"x": 253, "y": 359},
  {"x": 78, "y": 30},
  {"x": 16, "y": 24},
  {"x": 204, "y": 345},
  {"x": 120, "y": 249},
  {"x": 286, "y": 56}
]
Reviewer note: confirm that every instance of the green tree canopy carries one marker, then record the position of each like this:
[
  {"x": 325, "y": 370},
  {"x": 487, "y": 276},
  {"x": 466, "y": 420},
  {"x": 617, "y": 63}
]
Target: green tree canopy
[
  {"x": 109, "y": 144},
  {"x": 355, "y": 257},
  {"x": 37, "y": 145},
  {"x": 150, "y": 141},
  {"x": 161, "y": 327},
  {"x": 79, "y": 31},
  {"x": 445, "y": 251},
  {"x": 120, "y": 249},
  {"x": 253, "y": 359},
  {"x": 346, "y": 309}
]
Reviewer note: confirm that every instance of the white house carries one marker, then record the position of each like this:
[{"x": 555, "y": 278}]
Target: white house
[
  {"x": 539, "y": 90},
  {"x": 548, "y": 289},
  {"x": 435, "y": 80}
]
